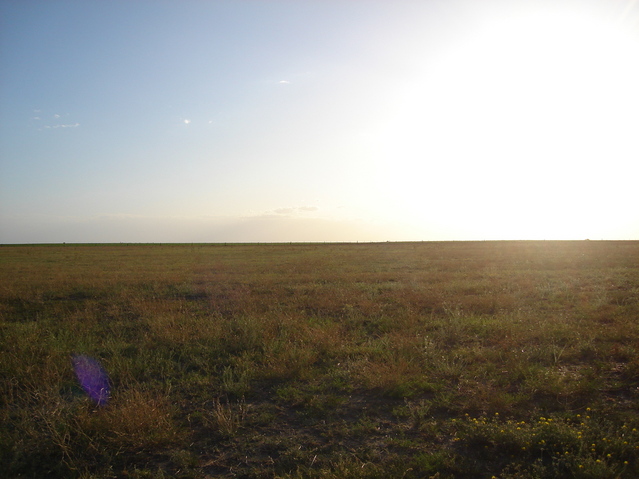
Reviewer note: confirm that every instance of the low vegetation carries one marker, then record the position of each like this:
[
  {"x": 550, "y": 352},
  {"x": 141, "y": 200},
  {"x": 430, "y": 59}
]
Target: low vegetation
[{"x": 414, "y": 360}]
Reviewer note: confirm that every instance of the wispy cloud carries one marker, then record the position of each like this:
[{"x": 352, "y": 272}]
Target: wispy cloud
[
  {"x": 187, "y": 121},
  {"x": 284, "y": 82},
  {"x": 293, "y": 210},
  {"x": 70, "y": 125},
  {"x": 48, "y": 121},
  {"x": 284, "y": 211}
]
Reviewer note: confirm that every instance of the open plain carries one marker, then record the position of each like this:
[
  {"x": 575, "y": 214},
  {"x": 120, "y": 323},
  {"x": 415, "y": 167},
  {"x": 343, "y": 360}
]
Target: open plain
[{"x": 437, "y": 359}]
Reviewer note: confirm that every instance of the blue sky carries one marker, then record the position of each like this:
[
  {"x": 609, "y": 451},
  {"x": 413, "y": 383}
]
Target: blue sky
[{"x": 213, "y": 121}]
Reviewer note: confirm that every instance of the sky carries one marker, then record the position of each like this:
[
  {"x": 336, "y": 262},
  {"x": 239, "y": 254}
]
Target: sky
[{"x": 318, "y": 120}]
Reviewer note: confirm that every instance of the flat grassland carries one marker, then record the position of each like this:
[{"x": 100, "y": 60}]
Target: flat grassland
[{"x": 413, "y": 360}]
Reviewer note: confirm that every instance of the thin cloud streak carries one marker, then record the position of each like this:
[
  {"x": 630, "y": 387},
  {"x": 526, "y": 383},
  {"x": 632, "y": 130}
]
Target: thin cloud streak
[
  {"x": 291, "y": 210},
  {"x": 72, "y": 125}
]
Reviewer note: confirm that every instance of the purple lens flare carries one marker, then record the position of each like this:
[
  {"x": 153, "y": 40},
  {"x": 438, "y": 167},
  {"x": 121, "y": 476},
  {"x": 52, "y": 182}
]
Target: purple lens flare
[{"x": 92, "y": 377}]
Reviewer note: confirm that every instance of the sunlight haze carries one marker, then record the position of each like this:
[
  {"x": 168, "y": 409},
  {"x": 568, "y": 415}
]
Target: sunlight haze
[{"x": 260, "y": 121}]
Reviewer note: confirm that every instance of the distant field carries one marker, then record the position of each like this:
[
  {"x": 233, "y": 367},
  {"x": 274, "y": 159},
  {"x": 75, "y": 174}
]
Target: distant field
[{"x": 414, "y": 360}]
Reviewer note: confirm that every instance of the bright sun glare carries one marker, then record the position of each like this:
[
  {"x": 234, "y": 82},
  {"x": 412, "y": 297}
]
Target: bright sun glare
[{"x": 532, "y": 117}]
